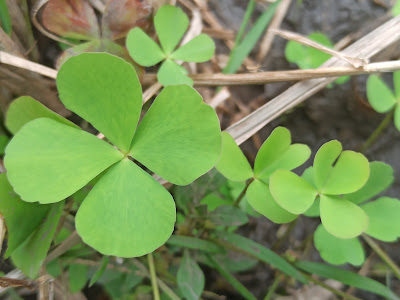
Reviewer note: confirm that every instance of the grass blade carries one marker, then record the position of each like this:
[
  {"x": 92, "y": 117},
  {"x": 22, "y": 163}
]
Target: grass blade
[
  {"x": 194, "y": 243},
  {"x": 5, "y": 19}
]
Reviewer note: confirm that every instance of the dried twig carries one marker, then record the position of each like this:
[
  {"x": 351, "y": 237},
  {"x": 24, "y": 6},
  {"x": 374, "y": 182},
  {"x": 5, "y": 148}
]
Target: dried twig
[{"x": 71, "y": 241}]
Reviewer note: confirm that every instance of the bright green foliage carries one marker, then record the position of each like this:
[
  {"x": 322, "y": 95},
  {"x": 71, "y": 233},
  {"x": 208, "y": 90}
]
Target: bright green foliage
[
  {"x": 384, "y": 219},
  {"x": 340, "y": 217},
  {"x": 308, "y": 57},
  {"x": 382, "y": 213},
  {"x": 171, "y": 24},
  {"x": 48, "y": 161},
  {"x": 164, "y": 141},
  {"x": 3, "y": 143},
  {"x": 127, "y": 213},
  {"x": 338, "y": 251},
  {"x": 77, "y": 276},
  {"x": 127, "y": 186},
  {"x": 190, "y": 278},
  {"x": 382, "y": 98},
  {"x": 275, "y": 153},
  {"x": 396, "y": 8},
  {"x": 25, "y": 109},
  {"x": 347, "y": 277},
  {"x": 30, "y": 234}
]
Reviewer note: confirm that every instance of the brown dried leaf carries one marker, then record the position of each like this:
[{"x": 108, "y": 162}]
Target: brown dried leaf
[
  {"x": 74, "y": 19},
  {"x": 122, "y": 15}
]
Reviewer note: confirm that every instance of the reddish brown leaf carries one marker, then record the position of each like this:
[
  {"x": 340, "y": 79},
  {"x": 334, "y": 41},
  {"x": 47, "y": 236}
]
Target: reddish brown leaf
[
  {"x": 74, "y": 19},
  {"x": 122, "y": 15}
]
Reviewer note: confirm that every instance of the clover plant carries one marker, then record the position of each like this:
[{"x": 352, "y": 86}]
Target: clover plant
[
  {"x": 275, "y": 153},
  {"x": 340, "y": 217},
  {"x": 383, "y": 225},
  {"x": 382, "y": 98},
  {"x": 127, "y": 213},
  {"x": 309, "y": 57},
  {"x": 171, "y": 24}
]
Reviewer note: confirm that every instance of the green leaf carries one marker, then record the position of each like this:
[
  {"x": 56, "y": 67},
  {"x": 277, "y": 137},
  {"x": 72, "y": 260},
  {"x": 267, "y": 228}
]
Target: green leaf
[
  {"x": 349, "y": 174},
  {"x": 190, "y": 278},
  {"x": 170, "y": 73},
  {"x": 100, "y": 270},
  {"x": 342, "y": 218},
  {"x": 272, "y": 149},
  {"x": 143, "y": 49},
  {"x": 384, "y": 221},
  {"x": 379, "y": 94},
  {"x": 346, "y": 277},
  {"x": 397, "y": 117},
  {"x": 260, "y": 198},
  {"x": 29, "y": 256},
  {"x": 296, "y": 199},
  {"x": 228, "y": 215},
  {"x": 25, "y": 109},
  {"x": 380, "y": 178},
  {"x": 231, "y": 279},
  {"x": 294, "y": 157},
  {"x": 127, "y": 213},
  {"x": 396, "y": 78},
  {"x": 323, "y": 161},
  {"x": 338, "y": 251},
  {"x": 77, "y": 275},
  {"x": 4, "y": 140},
  {"x": 21, "y": 218},
  {"x": 262, "y": 253},
  {"x": 179, "y": 138},
  {"x": 241, "y": 51},
  {"x": 195, "y": 244},
  {"x": 5, "y": 19},
  {"x": 213, "y": 201},
  {"x": 170, "y": 23},
  {"x": 48, "y": 161},
  {"x": 199, "y": 49},
  {"x": 105, "y": 91},
  {"x": 232, "y": 162}
]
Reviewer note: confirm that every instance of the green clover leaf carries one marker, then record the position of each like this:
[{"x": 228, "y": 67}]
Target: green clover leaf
[
  {"x": 382, "y": 98},
  {"x": 171, "y": 24},
  {"x": 326, "y": 182},
  {"x": 127, "y": 213},
  {"x": 384, "y": 225},
  {"x": 275, "y": 153}
]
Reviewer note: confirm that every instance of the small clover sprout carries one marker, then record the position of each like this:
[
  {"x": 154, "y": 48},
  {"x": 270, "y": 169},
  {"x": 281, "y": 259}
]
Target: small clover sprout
[
  {"x": 171, "y": 24},
  {"x": 275, "y": 153},
  {"x": 308, "y": 57},
  {"x": 384, "y": 223},
  {"x": 382, "y": 98},
  {"x": 340, "y": 217},
  {"x": 127, "y": 213}
]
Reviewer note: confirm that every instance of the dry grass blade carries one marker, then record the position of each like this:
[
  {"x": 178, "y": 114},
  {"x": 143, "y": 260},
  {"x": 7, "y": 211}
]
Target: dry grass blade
[
  {"x": 2, "y": 231},
  {"x": 368, "y": 46},
  {"x": 354, "y": 61}
]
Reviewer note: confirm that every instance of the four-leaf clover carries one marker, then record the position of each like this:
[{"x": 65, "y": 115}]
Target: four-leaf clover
[
  {"x": 275, "y": 153},
  {"x": 340, "y": 217},
  {"x": 171, "y": 23},
  {"x": 127, "y": 213},
  {"x": 381, "y": 97}
]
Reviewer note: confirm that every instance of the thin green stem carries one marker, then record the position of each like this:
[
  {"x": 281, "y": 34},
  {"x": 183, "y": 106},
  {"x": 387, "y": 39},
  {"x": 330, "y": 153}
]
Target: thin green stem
[
  {"x": 153, "y": 276},
  {"x": 375, "y": 134},
  {"x": 249, "y": 11},
  {"x": 383, "y": 255},
  {"x": 240, "y": 197},
  {"x": 273, "y": 287}
]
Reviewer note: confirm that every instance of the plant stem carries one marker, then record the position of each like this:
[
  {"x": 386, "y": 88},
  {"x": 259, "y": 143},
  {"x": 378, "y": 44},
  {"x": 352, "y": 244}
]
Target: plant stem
[
  {"x": 383, "y": 255},
  {"x": 273, "y": 287},
  {"x": 153, "y": 276},
  {"x": 240, "y": 197},
  {"x": 375, "y": 134}
]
